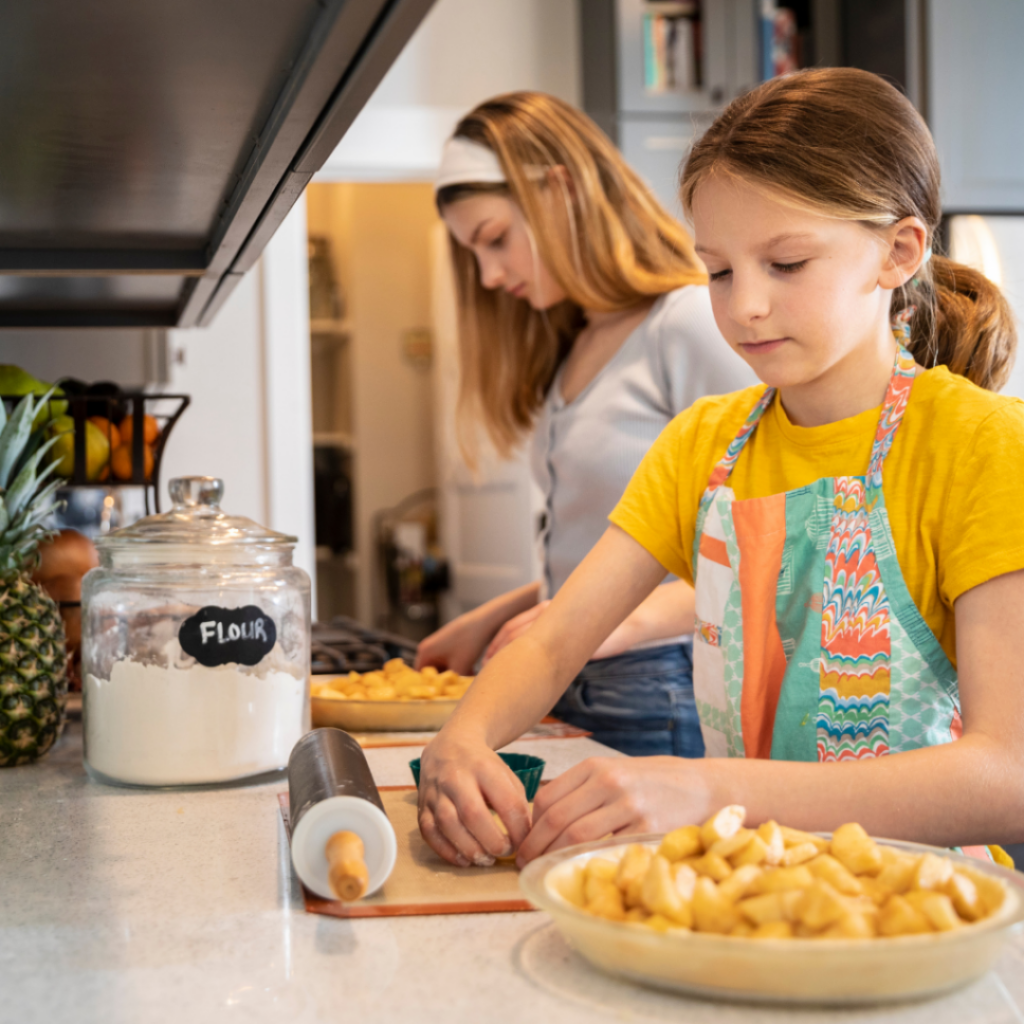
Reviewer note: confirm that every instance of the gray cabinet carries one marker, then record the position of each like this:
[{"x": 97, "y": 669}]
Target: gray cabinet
[
  {"x": 975, "y": 84},
  {"x": 656, "y": 73},
  {"x": 713, "y": 55},
  {"x": 635, "y": 95},
  {"x": 656, "y": 151}
]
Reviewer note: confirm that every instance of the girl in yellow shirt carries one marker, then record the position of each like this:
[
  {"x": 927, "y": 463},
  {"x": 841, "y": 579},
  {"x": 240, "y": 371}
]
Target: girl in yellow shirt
[{"x": 854, "y": 529}]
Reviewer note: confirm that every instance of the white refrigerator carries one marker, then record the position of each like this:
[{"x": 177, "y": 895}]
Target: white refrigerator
[{"x": 994, "y": 245}]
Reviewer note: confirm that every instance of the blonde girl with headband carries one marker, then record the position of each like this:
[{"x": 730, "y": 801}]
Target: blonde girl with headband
[
  {"x": 585, "y": 319},
  {"x": 853, "y": 525}
]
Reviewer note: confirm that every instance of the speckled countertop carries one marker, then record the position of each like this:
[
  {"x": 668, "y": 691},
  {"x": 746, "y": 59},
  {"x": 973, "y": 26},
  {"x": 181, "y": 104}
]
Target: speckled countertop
[{"x": 133, "y": 906}]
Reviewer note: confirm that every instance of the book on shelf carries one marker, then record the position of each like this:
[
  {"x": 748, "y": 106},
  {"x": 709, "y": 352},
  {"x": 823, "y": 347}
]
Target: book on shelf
[
  {"x": 672, "y": 47},
  {"x": 780, "y": 40}
]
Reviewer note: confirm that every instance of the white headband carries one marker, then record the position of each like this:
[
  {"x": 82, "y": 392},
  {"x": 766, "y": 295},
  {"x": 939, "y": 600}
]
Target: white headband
[{"x": 464, "y": 162}]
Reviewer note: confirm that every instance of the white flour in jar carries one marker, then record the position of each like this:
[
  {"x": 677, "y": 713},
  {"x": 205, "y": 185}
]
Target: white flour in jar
[{"x": 182, "y": 723}]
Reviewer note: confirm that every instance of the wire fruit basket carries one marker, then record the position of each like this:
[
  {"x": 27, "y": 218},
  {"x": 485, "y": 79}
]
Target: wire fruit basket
[{"x": 149, "y": 418}]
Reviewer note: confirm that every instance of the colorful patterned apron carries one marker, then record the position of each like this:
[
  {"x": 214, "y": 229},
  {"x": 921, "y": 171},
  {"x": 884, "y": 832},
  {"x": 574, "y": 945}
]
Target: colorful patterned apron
[{"x": 808, "y": 645}]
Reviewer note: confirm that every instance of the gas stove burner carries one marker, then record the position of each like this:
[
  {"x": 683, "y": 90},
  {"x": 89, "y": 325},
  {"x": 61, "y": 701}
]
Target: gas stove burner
[{"x": 344, "y": 645}]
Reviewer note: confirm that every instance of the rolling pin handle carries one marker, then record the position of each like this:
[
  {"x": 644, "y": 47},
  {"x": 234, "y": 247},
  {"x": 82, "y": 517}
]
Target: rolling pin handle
[
  {"x": 343, "y": 846},
  {"x": 347, "y": 873}
]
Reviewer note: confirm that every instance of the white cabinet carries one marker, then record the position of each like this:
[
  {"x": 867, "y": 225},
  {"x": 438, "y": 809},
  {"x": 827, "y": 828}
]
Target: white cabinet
[{"x": 975, "y": 85}]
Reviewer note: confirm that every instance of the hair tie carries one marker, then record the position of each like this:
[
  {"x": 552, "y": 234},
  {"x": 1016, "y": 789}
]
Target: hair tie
[{"x": 915, "y": 280}]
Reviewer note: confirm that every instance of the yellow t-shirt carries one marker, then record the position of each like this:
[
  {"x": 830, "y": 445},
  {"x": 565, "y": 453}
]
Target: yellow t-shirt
[{"x": 953, "y": 482}]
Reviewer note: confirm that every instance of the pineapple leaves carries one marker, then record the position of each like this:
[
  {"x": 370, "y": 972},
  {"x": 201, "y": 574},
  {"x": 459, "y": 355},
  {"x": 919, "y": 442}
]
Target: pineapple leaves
[
  {"x": 35, "y": 439},
  {"x": 15, "y": 435},
  {"x": 20, "y": 546},
  {"x": 31, "y": 532},
  {"x": 26, "y": 482},
  {"x": 21, "y": 553},
  {"x": 27, "y": 501},
  {"x": 47, "y": 492},
  {"x": 33, "y": 514},
  {"x": 3, "y": 415}
]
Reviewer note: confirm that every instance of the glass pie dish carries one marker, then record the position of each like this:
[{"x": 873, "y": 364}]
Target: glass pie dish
[
  {"x": 382, "y": 715},
  {"x": 816, "y": 971}
]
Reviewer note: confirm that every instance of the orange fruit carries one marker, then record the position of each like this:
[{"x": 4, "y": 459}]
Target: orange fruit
[
  {"x": 150, "y": 430},
  {"x": 108, "y": 430},
  {"x": 121, "y": 462}
]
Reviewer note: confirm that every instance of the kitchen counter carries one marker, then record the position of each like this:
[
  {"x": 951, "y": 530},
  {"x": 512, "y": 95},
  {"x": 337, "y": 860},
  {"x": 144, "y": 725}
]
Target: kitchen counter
[{"x": 137, "y": 906}]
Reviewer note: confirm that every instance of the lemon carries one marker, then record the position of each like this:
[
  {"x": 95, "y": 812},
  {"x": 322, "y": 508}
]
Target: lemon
[{"x": 97, "y": 448}]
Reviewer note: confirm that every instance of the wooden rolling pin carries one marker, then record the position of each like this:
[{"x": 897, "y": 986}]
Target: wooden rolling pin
[
  {"x": 343, "y": 846},
  {"x": 347, "y": 873}
]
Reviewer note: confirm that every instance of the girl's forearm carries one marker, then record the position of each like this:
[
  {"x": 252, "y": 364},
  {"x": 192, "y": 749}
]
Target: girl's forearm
[
  {"x": 962, "y": 793},
  {"x": 523, "y": 681},
  {"x": 496, "y": 612},
  {"x": 519, "y": 685},
  {"x": 667, "y": 612}
]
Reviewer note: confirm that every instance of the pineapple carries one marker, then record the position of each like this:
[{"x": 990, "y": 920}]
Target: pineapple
[{"x": 33, "y": 679}]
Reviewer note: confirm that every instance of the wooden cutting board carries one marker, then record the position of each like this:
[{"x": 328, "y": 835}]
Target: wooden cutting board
[
  {"x": 547, "y": 729},
  {"x": 421, "y": 882}
]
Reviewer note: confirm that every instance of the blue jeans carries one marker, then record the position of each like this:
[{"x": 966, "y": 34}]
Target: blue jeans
[{"x": 640, "y": 703}]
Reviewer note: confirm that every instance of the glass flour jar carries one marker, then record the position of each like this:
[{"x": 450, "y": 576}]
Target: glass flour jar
[{"x": 195, "y": 647}]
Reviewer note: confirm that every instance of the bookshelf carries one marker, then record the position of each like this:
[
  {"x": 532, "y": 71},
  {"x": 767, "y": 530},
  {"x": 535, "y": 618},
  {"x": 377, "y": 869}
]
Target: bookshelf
[{"x": 656, "y": 73}]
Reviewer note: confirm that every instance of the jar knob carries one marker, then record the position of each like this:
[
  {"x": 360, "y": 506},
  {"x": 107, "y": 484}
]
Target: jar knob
[{"x": 189, "y": 491}]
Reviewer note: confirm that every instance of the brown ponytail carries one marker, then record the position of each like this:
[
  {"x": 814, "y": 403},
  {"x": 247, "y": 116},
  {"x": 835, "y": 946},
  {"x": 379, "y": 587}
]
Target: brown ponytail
[
  {"x": 962, "y": 321},
  {"x": 845, "y": 143}
]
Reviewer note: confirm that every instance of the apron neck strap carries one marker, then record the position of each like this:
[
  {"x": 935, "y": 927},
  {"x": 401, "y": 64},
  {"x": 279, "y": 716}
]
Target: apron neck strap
[
  {"x": 722, "y": 471},
  {"x": 894, "y": 405}
]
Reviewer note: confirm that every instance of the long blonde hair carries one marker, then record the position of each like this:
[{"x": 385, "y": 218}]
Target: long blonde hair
[
  {"x": 623, "y": 249},
  {"x": 845, "y": 143}
]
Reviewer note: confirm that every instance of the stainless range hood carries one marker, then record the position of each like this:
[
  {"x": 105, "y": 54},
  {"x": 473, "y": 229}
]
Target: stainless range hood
[{"x": 150, "y": 148}]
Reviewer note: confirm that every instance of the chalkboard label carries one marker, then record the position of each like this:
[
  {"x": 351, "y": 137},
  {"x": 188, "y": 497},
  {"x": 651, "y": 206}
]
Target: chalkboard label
[{"x": 217, "y": 636}]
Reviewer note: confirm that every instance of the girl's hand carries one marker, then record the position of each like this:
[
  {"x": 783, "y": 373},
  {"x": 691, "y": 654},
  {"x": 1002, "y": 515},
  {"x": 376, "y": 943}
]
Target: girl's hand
[
  {"x": 605, "y": 796},
  {"x": 455, "y": 646},
  {"x": 513, "y": 629},
  {"x": 461, "y": 779},
  {"x": 459, "y": 644}
]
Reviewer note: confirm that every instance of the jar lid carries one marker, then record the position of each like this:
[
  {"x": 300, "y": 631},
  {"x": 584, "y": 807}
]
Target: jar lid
[{"x": 195, "y": 521}]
